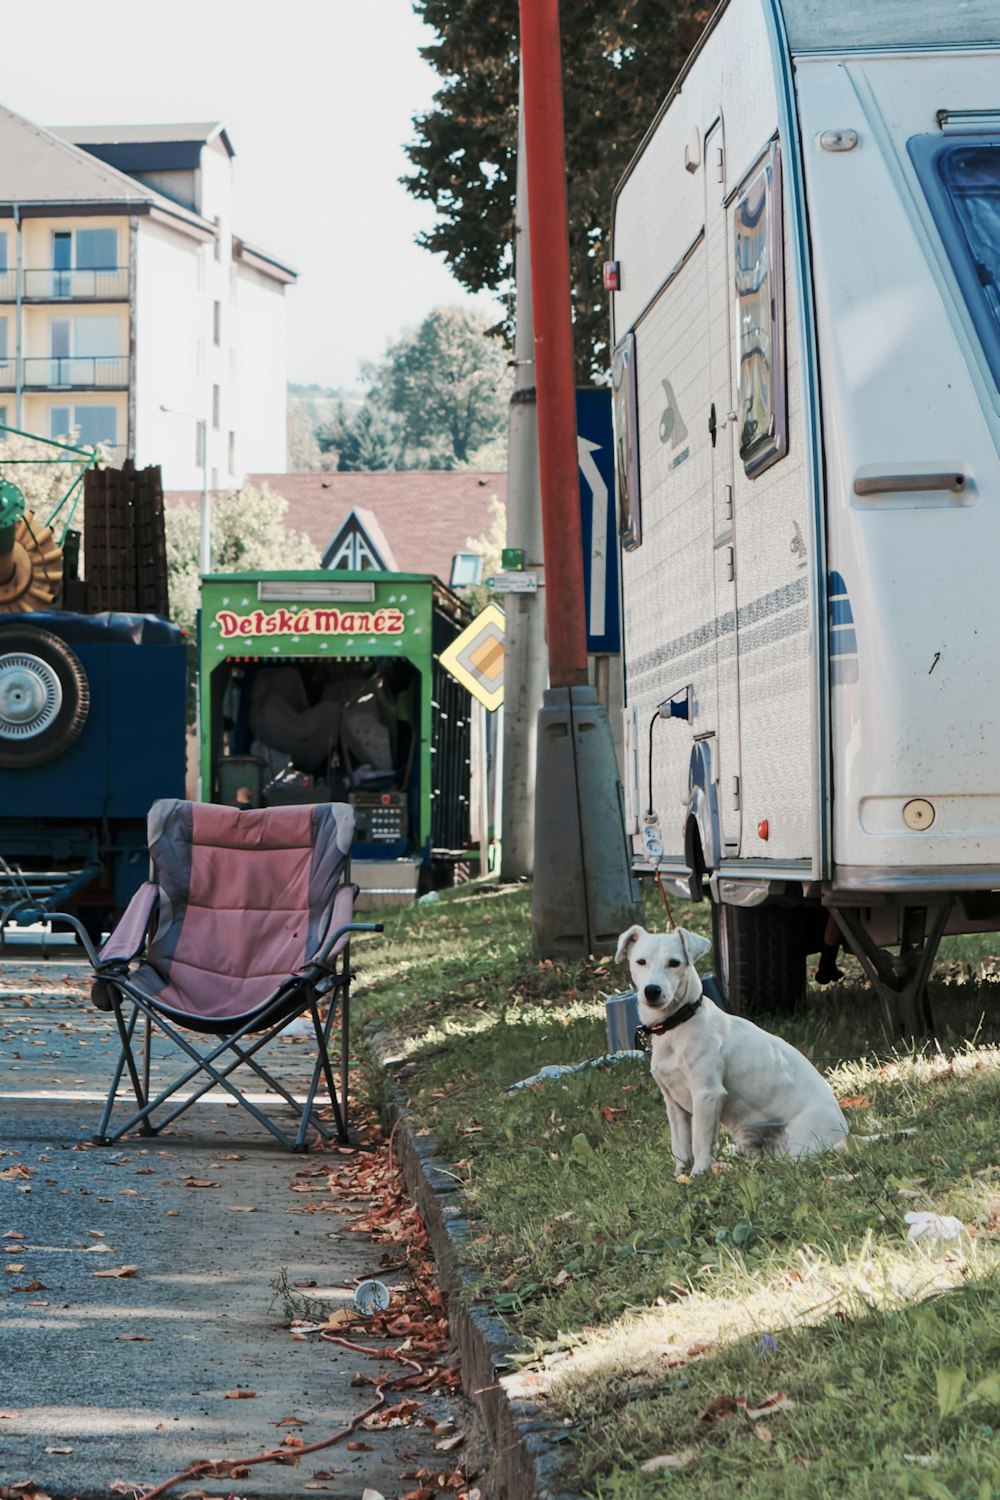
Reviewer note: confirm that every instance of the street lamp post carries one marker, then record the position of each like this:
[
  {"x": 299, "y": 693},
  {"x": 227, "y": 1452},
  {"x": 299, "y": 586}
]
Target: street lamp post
[{"x": 205, "y": 525}]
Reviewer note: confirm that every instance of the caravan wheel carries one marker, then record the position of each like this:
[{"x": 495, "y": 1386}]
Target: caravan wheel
[
  {"x": 760, "y": 962},
  {"x": 44, "y": 696}
]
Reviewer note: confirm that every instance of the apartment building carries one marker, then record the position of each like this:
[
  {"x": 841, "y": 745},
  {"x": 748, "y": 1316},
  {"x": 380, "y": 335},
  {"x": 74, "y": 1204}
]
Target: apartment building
[{"x": 131, "y": 312}]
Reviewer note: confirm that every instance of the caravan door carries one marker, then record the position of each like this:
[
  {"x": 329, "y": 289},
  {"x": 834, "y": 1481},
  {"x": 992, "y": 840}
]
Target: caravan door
[{"x": 721, "y": 424}]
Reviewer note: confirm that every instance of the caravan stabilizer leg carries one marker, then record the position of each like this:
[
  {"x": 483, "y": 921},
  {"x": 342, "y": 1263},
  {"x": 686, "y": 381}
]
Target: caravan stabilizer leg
[{"x": 900, "y": 982}]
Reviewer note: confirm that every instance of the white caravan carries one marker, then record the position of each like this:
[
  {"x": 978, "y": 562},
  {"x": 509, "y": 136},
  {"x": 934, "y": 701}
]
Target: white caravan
[{"x": 806, "y": 322}]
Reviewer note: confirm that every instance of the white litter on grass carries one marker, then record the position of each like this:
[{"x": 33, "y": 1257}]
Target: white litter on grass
[
  {"x": 559, "y": 1070},
  {"x": 933, "y": 1226}
]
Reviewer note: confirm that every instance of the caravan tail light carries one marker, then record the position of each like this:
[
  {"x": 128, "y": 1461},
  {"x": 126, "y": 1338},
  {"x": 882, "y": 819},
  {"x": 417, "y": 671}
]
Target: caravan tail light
[{"x": 612, "y": 275}]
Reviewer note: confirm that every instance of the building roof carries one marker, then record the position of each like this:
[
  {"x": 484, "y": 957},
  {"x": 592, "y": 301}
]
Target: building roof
[
  {"x": 425, "y": 515},
  {"x": 133, "y": 135},
  {"x": 40, "y": 170},
  {"x": 148, "y": 148}
]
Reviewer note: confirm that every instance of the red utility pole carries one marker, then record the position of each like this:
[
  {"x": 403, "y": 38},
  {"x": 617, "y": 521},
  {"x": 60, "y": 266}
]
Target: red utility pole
[{"x": 565, "y": 609}]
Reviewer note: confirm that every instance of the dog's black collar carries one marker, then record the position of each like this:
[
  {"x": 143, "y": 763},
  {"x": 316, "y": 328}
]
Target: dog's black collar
[{"x": 644, "y": 1034}]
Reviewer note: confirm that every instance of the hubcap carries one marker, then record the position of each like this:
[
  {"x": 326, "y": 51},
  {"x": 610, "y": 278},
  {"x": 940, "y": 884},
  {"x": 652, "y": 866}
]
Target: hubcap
[{"x": 30, "y": 696}]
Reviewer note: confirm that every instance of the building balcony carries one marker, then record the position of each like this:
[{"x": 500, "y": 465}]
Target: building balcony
[
  {"x": 81, "y": 372},
  {"x": 43, "y": 284}
]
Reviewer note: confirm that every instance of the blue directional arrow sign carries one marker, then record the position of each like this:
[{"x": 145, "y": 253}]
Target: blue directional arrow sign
[{"x": 595, "y": 450}]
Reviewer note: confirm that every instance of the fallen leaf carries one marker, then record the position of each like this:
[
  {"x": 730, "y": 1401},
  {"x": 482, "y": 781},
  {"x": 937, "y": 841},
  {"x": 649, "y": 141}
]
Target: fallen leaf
[
  {"x": 15, "y": 1266},
  {"x": 448, "y": 1443},
  {"x": 854, "y": 1101},
  {"x": 53, "y": 1449},
  {"x": 135, "y": 1338},
  {"x": 119, "y": 1272},
  {"x": 669, "y": 1461},
  {"x": 722, "y": 1406},
  {"x": 359, "y": 1447},
  {"x": 199, "y": 1182},
  {"x": 242, "y": 1208},
  {"x": 763, "y": 1432},
  {"x": 757, "y": 1409},
  {"x": 240, "y": 1394}
]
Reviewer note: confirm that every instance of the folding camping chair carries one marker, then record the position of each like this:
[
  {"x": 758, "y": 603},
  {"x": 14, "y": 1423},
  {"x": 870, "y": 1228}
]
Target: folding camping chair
[{"x": 244, "y": 925}]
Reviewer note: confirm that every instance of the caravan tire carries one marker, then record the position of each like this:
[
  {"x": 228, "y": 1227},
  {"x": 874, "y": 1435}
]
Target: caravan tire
[
  {"x": 760, "y": 962},
  {"x": 44, "y": 696}
]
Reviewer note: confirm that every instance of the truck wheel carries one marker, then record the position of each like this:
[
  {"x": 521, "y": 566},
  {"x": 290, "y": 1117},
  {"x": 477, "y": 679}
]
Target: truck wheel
[
  {"x": 44, "y": 696},
  {"x": 760, "y": 961}
]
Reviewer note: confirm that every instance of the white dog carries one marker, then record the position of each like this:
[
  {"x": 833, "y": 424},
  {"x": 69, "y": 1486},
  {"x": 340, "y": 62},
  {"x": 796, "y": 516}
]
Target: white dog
[{"x": 713, "y": 1068}]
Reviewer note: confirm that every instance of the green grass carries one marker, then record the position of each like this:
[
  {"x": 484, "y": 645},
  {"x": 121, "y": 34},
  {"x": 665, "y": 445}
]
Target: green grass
[{"x": 609, "y": 1271}]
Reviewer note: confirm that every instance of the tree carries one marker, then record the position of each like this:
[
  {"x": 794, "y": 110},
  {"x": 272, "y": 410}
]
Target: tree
[
  {"x": 366, "y": 439},
  {"x": 618, "y": 62},
  {"x": 248, "y": 532},
  {"x": 489, "y": 545},
  {"x": 437, "y": 396}
]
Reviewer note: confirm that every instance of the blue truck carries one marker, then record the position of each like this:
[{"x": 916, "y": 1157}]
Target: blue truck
[{"x": 92, "y": 731}]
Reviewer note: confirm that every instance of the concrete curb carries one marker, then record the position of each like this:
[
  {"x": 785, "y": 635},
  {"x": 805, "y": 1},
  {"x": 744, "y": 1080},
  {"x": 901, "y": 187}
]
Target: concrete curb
[{"x": 524, "y": 1445}]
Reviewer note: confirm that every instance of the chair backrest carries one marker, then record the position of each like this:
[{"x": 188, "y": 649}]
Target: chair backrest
[{"x": 245, "y": 898}]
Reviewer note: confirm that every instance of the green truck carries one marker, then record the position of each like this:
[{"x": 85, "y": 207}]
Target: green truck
[{"x": 327, "y": 686}]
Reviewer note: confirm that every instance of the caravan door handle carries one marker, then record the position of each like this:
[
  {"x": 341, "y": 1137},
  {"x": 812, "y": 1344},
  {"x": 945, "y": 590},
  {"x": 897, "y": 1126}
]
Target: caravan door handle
[{"x": 889, "y": 484}]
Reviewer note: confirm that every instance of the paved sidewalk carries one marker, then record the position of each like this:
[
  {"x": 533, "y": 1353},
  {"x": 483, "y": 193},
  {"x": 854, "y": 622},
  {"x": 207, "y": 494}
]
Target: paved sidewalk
[{"x": 131, "y": 1378}]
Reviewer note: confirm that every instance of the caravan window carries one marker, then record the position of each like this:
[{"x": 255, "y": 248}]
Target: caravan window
[
  {"x": 962, "y": 182},
  {"x": 760, "y": 312},
  {"x": 625, "y": 407}
]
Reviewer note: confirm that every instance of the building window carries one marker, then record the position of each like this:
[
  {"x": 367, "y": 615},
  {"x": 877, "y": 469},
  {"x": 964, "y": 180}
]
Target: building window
[
  {"x": 200, "y": 443},
  {"x": 59, "y": 340},
  {"x": 97, "y": 249},
  {"x": 97, "y": 424},
  {"x": 86, "y": 425},
  {"x": 4, "y": 263},
  {"x": 218, "y": 238},
  {"x": 216, "y": 406},
  {"x": 82, "y": 351},
  {"x": 216, "y": 323},
  {"x": 215, "y": 479},
  {"x": 3, "y": 342},
  {"x": 760, "y": 312},
  {"x": 232, "y": 453},
  {"x": 3, "y": 416}
]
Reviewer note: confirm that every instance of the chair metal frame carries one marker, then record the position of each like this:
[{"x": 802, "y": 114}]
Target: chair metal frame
[
  {"x": 320, "y": 979},
  {"x": 323, "y": 977}
]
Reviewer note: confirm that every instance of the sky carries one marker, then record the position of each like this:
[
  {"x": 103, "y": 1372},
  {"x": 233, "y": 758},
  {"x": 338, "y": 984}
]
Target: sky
[{"x": 318, "y": 98}]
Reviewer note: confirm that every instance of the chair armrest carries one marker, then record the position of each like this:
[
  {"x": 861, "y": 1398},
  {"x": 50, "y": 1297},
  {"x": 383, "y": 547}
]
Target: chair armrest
[
  {"x": 130, "y": 934},
  {"x": 340, "y": 931}
]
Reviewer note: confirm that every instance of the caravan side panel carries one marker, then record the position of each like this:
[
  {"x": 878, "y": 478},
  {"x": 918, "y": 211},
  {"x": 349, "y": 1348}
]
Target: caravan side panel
[{"x": 722, "y": 607}]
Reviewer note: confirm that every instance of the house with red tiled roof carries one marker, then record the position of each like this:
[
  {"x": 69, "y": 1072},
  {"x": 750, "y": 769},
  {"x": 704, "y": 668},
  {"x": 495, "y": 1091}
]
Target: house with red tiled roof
[{"x": 406, "y": 521}]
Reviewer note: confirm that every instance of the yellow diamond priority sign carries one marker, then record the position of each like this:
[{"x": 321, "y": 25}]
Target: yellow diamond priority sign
[{"x": 475, "y": 657}]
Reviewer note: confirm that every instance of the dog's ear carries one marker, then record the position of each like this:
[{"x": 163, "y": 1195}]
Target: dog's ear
[
  {"x": 626, "y": 940},
  {"x": 692, "y": 943}
]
